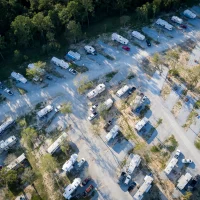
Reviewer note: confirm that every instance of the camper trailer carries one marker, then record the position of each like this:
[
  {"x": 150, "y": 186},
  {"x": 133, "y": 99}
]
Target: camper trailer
[
  {"x": 90, "y": 50},
  {"x": 15, "y": 163},
  {"x": 74, "y": 55},
  {"x": 135, "y": 162},
  {"x": 122, "y": 91},
  {"x": 119, "y": 38},
  {"x": 141, "y": 124},
  {"x": 45, "y": 111},
  {"x": 189, "y": 14},
  {"x": 18, "y": 77},
  {"x": 138, "y": 35},
  {"x": 113, "y": 133},
  {"x": 108, "y": 104},
  {"x": 60, "y": 63},
  {"x": 164, "y": 24},
  {"x": 183, "y": 181},
  {"x": 9, "y": 142},
  {"x": 171, "y": 165},
  {"x": 6, "y": 125},
  {"x": 68, "y": 165},
  {"x": 99, "y": 89},
  {"x": 177, "y": 19}
]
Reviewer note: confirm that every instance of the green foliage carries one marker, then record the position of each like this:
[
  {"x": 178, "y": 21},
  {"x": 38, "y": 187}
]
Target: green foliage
[
  {"x": 197, "y": 144},
  {"x": 66, "y": 108},
  {"x": 74, "y": 29},
  {"x": 155, "y": 149},
  {"x": 124, "y": 20},
  {"x": 48, "y": 163},
  {"x": 197, "y": 104},
  {"x": 7, "y": 177},
  {"x": 187, "y": 196},
  {"x": 28, "y": 176},
  {"x": 174, "y": 72}
]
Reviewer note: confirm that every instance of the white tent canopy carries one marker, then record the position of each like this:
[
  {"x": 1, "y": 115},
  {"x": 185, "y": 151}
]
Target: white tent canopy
[{"x": 18, "y": 77}]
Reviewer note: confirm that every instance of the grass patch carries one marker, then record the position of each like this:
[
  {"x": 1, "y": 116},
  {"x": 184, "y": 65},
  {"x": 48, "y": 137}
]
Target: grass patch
[
  {"x": 110, "y": 75},
  {"x": 197, "y": 144},
  {"x": 86, "y": 86},
  {"x": 80, "y": 69},
  {"x": 177, "y": 107},
  {"x": 171, "y": 143},
  {"x": 21, "y": 91},
  {"x": 108, "y": 56},
  {"x": 190, "y": 119},
  {"x": 197, "y": 104},
  {"x": 155, "y": 149},
  {"x": 147, "y": 158},
  {"x": 165, "y": 91},
  {"x": 131, "y": 76}
]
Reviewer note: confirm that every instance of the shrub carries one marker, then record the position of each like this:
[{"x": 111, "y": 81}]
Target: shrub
[
  {"x": 197, "y": 144},
  {"x": 155, "y": 149}
]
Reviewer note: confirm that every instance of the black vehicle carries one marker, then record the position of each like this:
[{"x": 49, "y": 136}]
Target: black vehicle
[
  {"x": 122, "y": 177},
  {"x": 132, "y": 186},
  {"x": 87, "y": 180},
  {"x": 148, "y": 43},
  {"x": 131, "y": 90},
  {"x": 49, "y": 77}
]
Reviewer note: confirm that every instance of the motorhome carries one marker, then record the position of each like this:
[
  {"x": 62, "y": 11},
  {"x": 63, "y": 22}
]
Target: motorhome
[
  {"x": 9, "y": 142},
  {"x": 177, "y": 19},
  {"x": 90, "y": 50},
  {"x": 60, "y": 63},
  {"x": 122, "y": 91},
  {"x": 15, "y": 163},
  {"x": 74, "y": 55},
  {"x": 18, "y": 77},
  {"x": 141, "y": 124},
  {"x": 138, "y": 35},
  {"x": 165, "y": 24},
  {"x": 183, "y": 181},
  {"x": 119, "y": 38},
  {"x": 189, "y": 14},
  {"x": 108, "y": 104},
  {"x": 68, "y": 165},
  {"x": 135, "y": 161},
  {"x": 99, "y": 89},
  {"x": 171, "y": 165},
  {"x": 113, "y": 133},
  {"x": 45, "y": 111},
  {"x": 9, "y": 122}
]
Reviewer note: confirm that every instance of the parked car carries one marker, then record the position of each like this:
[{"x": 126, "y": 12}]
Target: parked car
[
  {"x": 73, "y": 71},
  {"x": 138, "y": 109},
  {"x": 122, "y": 177},
  {"x": 131, "y": 90},
  {"x": 92, "y": 116},
  {"x": 81, "y": 162},
  {"x": 8, "y": 91},
  {"x": 186, "y": 161},
  {"x": 177, "y": 154},
  {"x": 88, "y": 190},
  {"x": 144, "y": 99},
  {"x": 57, "y": 108},
  {"x": 127, "y": 180},
  {"x": 126, "y": 48},
  {"x": 148, "y": 43},
  {"x": 132, "y": 186},
  {"x": 86, "y": 181},
  {"x": 49, "y": 77},
  {"x": 93, "y": 108},
  {"x": 107, "y": 125},
  {"x": 183, "y": 26}
]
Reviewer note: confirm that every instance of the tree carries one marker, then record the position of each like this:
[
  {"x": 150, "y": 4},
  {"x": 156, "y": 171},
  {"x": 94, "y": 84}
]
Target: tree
[
  {"x": 156, "y": 59},
  {"x": 65, "y": 147},
  {"x": 48, "y": 163},
  {"x": 124, "y": 20},
  {"x": 102, "y": 109},
  {"x": 66, "y": 108},
  {"x": 75, "y": 29},
  {"x": 7, "y": 177},
  {"x": 88, "y": 7},
  {"x": 73, "y": 10},
  {"x": 187, "y": 196},
  {"x": 22, "y": 26},
  {"x": 37, "y": 70},
  {"x": 2, "y": 45},
  {"x": 28, "y": 176}
]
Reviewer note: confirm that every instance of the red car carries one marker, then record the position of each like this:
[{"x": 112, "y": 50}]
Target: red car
[
  {"x": 126, "y": 48},
  {"x": 183, "y": 26},
  {"x": 88, "y": 190}
]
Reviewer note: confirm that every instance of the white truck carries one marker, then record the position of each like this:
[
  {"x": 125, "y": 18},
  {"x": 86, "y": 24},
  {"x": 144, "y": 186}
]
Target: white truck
[
  {"x": 165, "y": 24},
  {"x": 113, "y": 133},
  {"x": 108, "y": 104},
  {"x": 99, "y": 89},
  {"x": 60, "y": 63},
  {"x": 90, "y": 50},
  {"x": 74, "y": 55},
  {"x": 122, "y": 91},
  {"x": 138, "y": 35},
  {"x": 119, "y": 38},
  {"x": 189, "y": 14},
  {"x": 177, "y": 19}
]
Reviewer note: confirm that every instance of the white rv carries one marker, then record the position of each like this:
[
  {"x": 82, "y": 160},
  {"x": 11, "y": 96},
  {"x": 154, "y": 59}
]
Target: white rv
[
  {"x": 171, "y": 165},
  {"x": 141, "y": 124},
  {"x": 68, "y": 165},
  {"x": 18, "y": 77},
  {"x": 135, "y": 161},
  {"x": 183, "y": 181},
  {"x": 6, "y": 125},
  {"x": 9, "y": 142},
  {"x": 99, "y": 89},
  {"x": 16, "y": 162},
  {"x": 113, "y": 133},
  {"x": 119, "y": 38},
  {"x": 122, "y": 91},
  {"x": 138, "y": 35},
  {"x": 164, "y": 24},
  {"x": 108, "y": 104},
  {"x": 90, "y": 50},
  {"x": 71, "y": 188},
  {"x": 60, "y": 63},
  {"x": 74, "y": 55},
  {"x": 189, "y": 14},
  {"x": 45, "y": 111},
  {"x": 177, "y": 19}
]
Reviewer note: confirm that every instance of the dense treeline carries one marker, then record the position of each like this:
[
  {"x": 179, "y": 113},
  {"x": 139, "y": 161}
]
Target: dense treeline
[{"x": 40, "y": 23}]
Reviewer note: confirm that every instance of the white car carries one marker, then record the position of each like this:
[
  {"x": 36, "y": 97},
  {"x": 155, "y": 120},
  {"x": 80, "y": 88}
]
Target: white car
[
  {"x": 93, "y": 107},
  {"x": 177, "y": 154},
  {"x": 144, "y": 99},
  {"x": 186, "y": 161},
  {"x": 74, "y": 72},
  {"x": 8, "y": 91},
  {"x": 57, "y": 108},
  {"x": 81, "y": 162},
  {"x": 92, "y": 116},
  {"x": 127, "y": 180}
]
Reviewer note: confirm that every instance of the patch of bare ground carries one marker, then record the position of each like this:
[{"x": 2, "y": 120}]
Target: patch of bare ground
[
  {"x": 177, "y": 107},
  {"x": 190, "y": 119},
  {"x": 148, "y": 67},
  {"x": 165, "y": 91}
]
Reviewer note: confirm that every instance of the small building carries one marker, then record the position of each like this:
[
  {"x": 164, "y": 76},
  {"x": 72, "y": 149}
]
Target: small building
[
  {"x": 45, "y": 111},
  {"x": 177, "y": 19},
  {"x": 16, "y": 162},
  {"x": 56, "y": 144},
  {"x": 74, "y": 55},
  {"x": 60, "y": 63},
  {"x": 9, "y": 122},
  {"x": 71, "y": 188},
  {"x": 90, "y": 49},
  {"x": 189, "y": 14},
  {"x": 113, "y": 133},
  {"x": 135, "y": 161},
  {"x": 145, "y": 187},
  {"x": 119, "y": 38},
  {"x": 122, "y": 91},
  {"x": 165, "y": 24},
  {"x": 99, "y": 89},
  {"x": 108, "y": 104},
  {"x": 9, "y": 142},
  {"x": 18, "y": 77},
  {"x": 141, "y": 124},
  {"x": 171, "y": 165},
  {"x": 68, "y": 165},
  {"x": 183, "y": 181},
  {"x": 138, "y": 35}
]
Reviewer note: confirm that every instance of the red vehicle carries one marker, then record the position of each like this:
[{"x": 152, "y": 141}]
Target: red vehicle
[
  {"x": 126, "y": 48},
  {"x": 183, "y": 26},
  {"x": 88, "y": 190}
]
